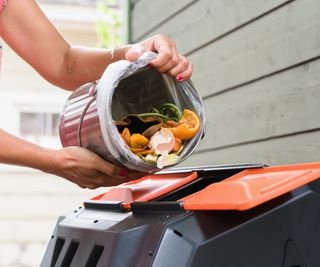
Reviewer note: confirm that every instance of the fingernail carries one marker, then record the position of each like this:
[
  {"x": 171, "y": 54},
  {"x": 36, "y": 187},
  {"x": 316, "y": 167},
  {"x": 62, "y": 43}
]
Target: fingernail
[
  {"x": 149, "y": 65},
  {"x": 180, "y": 77},
  {"x": 137, "y": 48},
  {"x": 123, "y": 173}
]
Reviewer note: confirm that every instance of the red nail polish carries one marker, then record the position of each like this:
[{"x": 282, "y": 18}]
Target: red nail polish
[
  {"x": 179, "y": 77},
  {"x": 149, "y": 65},
  {"x": 123, "y": 173}
]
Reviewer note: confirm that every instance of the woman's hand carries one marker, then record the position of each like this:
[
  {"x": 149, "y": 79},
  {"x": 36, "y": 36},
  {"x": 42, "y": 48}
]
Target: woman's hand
[
  {"x": 168, "y": 60},
  {"x": 87, "y": 169},
  {"x": 75, "y": 164}
]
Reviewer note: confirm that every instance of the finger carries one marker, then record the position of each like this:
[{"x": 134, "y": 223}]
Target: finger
[
  {"x": 88, "y": 183},
  {"x": 82, "y": 186},
  {"x": 172, "y": 63},
  {"x": 109, "y": 169},
  {"x": 180, "y": 67},
  {"x": 185, "y": 74},
  {"x": 92, "y": 186},
  {"x": 102, "y": 180},
  {"x": 134, "y": 52},
  {"x": 165, "y": 54}
]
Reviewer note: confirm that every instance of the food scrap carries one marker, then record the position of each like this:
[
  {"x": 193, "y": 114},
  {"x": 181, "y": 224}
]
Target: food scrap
[{"x": 160, "y": 135}]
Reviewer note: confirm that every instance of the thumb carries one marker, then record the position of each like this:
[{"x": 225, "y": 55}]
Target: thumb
[
  {"x": 134, "y": 52},
  {"x": 110, "y": 169}
]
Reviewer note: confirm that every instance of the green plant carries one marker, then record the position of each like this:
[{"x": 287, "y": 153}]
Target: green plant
[{"x": 109, "y": 27}]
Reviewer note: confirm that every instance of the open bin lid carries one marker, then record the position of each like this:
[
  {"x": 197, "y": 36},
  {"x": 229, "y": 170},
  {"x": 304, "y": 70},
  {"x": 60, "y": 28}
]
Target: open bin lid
[
  {"x": 145, "y": 189},
  {"x": 252, "y": 187}
]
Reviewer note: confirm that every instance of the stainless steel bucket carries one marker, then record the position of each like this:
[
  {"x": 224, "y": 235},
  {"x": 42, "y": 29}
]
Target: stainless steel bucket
[{"x": 81, "y": 125}]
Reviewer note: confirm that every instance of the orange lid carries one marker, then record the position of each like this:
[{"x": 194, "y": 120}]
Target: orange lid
[
  {"x": 146, "y": 188},
  {"x": 250, "y": 188}
]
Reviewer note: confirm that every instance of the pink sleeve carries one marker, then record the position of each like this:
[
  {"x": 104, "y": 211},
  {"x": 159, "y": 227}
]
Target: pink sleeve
[
  {"x": 0, "y": 54},
  {"x": 2, "y": 4}
]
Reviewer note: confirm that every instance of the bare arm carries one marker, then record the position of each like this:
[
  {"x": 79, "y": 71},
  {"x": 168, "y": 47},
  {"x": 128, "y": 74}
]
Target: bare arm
[
  {"x": 75, "y": 164},
  {"x": 28, "y": 31}
]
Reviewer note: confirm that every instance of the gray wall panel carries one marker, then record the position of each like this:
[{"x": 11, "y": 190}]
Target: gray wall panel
[
  {"x": 257, "y": 65},
  {"x": 207, "y": 20},
  {"x": 292, "y": 149},
  {"x": 286, "y": 37},
  {"x": 288, "y": 102},
  {"x": 148, "y": 14}
]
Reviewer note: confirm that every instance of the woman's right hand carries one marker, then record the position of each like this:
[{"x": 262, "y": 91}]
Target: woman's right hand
[
  {"x": 168, "y": 60},
  {"x": 87, "y": 169}
]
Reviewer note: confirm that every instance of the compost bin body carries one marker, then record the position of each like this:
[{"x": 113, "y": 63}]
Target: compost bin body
[{"x": 270, "y": 223}]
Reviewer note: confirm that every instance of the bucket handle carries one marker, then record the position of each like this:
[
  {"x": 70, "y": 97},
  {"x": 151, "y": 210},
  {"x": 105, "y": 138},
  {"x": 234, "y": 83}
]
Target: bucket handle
[{"x": 93, "y": 93}]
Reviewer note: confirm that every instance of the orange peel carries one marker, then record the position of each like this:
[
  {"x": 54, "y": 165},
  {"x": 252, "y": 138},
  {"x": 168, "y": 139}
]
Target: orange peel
[
  {"x": 189, "y": 125},
  {"x": 146, "y": 152},
  {"x": 138, "y": 141},
  {"x": 177, "y": 145},
  {"x": 136, "y": 150},
  {"x": 126, "y": 135}
]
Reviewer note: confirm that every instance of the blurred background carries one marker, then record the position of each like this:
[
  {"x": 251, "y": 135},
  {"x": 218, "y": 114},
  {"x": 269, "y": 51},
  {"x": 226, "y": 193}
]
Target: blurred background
[
  {"x": 256, "y": 65},
  {"x": 31, "y": 201}
]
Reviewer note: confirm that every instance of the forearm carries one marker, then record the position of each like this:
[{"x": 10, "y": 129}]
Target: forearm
[
  {"x": 32, "y": 36},
  {"x": 16, "y": 151},
  {"x": 83, "y": 64},
  {"x": 75, "y": 164}
]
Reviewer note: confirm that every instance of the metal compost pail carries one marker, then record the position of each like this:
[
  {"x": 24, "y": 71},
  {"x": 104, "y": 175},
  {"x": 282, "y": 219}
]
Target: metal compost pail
[
  {"x": 88, "y": 115},
  {"x": 79, "y": 122}
]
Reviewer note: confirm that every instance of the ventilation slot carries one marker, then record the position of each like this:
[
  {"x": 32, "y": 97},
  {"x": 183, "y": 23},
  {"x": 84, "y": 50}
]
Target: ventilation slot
[
  {"x": 72, "y": 249},
  {"x": 94, "y": 256},
  {"x": 57, "y": 250},
  {"x": 178, "y": 233}
]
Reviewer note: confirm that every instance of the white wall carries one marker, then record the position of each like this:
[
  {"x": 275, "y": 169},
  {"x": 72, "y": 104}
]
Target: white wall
[{"x": 31, "y": 201}]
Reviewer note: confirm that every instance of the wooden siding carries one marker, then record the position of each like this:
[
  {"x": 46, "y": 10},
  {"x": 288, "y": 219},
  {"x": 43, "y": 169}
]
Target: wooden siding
[{"x": 257, "y": 66}]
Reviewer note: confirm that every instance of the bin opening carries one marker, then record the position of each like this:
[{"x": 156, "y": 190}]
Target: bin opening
[{"x": 142, "y": 91}]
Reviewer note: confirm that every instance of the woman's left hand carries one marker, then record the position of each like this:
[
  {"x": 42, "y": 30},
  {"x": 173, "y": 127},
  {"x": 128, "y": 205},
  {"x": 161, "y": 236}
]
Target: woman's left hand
[{"x": 168, "y": 60}]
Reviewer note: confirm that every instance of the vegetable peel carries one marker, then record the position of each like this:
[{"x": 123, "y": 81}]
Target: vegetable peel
[{"x": 160, "y": 135}]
